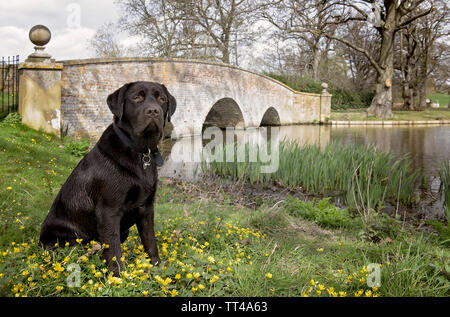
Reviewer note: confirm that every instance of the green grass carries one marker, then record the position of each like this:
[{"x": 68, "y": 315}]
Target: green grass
[
  {"x": 442, "y": 98},
  {"x": 208, "y": 246},
  {"x": 399, "y": 115}
]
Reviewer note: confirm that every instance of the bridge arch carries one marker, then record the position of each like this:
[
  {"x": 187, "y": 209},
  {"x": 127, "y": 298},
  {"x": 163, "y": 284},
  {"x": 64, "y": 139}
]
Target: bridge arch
[
  {"x": 225, "y": 112},
  {"x": 271, "y": 117}
]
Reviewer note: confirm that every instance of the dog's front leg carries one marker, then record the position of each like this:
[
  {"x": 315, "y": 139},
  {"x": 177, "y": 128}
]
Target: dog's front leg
[
  {"x": 108, "y": 227},
  {"x": 145, "y": 225}
]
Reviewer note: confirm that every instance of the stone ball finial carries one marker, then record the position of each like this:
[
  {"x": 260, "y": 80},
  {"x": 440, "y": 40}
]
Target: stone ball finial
[
  {"x": 324, "y": 87},
  {"x": 40, "y": 35}
]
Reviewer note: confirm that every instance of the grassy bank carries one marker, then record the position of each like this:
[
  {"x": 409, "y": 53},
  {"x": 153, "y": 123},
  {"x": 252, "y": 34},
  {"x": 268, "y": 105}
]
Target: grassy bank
[
  {"x": 364, "y": 177},
  {"x": 443, "y": 99},
  {"x": 210, "y": 244},
  {"x": 399, "y": 115}
]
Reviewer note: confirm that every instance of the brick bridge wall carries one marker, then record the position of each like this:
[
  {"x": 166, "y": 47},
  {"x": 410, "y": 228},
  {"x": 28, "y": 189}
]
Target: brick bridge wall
[{"x": 196, "y": 85}]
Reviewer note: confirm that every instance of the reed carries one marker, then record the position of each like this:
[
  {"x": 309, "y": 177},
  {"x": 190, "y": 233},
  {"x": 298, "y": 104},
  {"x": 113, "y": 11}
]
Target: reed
[
  {"x": 362, "y": 175},
  {"x": 444, "y": 173}
]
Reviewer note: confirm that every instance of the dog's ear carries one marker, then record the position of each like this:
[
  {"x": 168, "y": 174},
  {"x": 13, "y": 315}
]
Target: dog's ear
[
  {"x": 116, "y": 100},
  {"x": 172, "y": 103}
]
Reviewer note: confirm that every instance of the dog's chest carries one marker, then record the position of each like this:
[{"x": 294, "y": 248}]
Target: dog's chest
[{"x": 142, "y": 191}]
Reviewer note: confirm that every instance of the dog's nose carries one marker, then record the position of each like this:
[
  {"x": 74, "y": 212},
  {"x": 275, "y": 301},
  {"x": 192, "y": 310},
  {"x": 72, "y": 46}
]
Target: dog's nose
[{"x": 152, "y": 111}]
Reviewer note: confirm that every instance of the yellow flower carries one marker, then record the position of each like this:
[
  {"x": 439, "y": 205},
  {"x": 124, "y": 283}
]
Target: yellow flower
[
  {"x": 318, "y": 292},
  {"x": 196, "y": 275},
  {"x": 359, "y": 293},
  {"x": 59, "y": 288},
  {"x": 213, "y": 279},
  {"x": 178, "y": 276},
  {"x": 201, "y": 286},
  {"x": 321, "y": 287},
  {"x": 9, "y": 188},
  {"x": 145, "y": 293},
  {"x": 269, "y": 275},
  {"x": 312, "y": 282},
  {"x": 320, "y": 250},
  {"x": 211, "y": 259},
  {"x": 173, "y": 292},
  {"x": 189, "y": 275}
]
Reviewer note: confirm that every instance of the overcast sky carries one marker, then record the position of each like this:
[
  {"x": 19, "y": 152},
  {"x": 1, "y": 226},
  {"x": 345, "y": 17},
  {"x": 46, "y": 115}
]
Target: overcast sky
[{"x": 72, "y": 24}]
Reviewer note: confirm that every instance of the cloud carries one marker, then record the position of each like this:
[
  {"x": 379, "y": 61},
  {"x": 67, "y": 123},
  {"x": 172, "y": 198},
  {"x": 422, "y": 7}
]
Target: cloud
[{"x": 72, "y": 23}]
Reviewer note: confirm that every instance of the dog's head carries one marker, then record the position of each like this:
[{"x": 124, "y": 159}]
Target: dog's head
[{"x": 141, "y": 110}]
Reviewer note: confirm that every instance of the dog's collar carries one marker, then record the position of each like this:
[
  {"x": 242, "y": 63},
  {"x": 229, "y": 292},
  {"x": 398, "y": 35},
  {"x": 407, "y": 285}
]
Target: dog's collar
[
  {"x": 147, "y": 154},
  {"x": 128, "y": 142}
]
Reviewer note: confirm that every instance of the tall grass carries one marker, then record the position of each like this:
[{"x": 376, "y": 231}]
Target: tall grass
[
  {"x": 362, "y": 175},
  {"x": 444, "y": 173}
]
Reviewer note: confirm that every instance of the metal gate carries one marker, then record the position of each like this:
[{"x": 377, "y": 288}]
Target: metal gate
[{"x": 9, "y": 85}]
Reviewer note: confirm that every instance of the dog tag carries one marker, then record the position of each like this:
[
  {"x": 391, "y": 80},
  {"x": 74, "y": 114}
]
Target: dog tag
[{"x": 146, "y": 159}]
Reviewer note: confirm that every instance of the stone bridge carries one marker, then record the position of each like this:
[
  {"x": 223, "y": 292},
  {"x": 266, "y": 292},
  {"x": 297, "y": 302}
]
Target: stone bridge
[{"x": 207, "y": 94}]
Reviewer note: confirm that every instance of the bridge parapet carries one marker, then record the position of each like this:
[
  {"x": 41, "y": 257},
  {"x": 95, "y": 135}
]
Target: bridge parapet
[{"x": 200, "y": 87}]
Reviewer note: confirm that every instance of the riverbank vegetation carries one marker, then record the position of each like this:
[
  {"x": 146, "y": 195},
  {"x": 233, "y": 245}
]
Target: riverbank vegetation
[
  {"x": 431, "y": 114},
  {"x": 213, "y": 240},
  {"x": 362, "y": 176}
]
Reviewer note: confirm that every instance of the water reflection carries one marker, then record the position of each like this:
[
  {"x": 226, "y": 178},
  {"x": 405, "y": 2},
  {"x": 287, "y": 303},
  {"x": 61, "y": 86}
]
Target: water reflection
[{"x": 428, "y": 146}]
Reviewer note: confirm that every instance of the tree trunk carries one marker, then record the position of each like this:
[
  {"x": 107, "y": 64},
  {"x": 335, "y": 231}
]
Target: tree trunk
[
  {"x": 422, "y": 96},
  {"x": 407, "y": 89},
  {"x": 381, "y": 106},
  {"x": 316, "y": 60}
]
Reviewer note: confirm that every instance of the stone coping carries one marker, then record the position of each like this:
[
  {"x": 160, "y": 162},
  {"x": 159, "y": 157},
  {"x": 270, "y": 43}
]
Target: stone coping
[
  {"x": 49, "y": 66},
  {"x": 390, "y": 123},
  {"x": 79, "y": 62}
]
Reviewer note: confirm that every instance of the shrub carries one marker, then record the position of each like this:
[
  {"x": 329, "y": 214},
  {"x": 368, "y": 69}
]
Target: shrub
[
  {"x": 320, "y": 211},
  {"x": 78, "y": 148},
  {"x": 341, "y": 98},
  {"x": 13, "y": 117}
]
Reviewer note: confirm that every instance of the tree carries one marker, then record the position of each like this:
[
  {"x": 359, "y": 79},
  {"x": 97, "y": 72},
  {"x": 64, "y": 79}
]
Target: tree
[
  {"x": 105, "y": 43},
  {"x": 361, "y": 71},
  {"x": 159, "y": 24},
  {"x": 304, "y": 22},
  {"x": 430, "y": 50},
  {"x": 387, "y": 17},
  {"x": 213, "y": 29}
]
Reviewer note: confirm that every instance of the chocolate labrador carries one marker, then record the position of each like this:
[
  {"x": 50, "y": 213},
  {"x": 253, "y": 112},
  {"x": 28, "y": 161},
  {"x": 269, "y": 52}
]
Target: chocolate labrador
[{"x": 113, "y": 187}]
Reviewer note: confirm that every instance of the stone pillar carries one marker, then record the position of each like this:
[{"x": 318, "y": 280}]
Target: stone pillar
[
  {"x": 40, "y": 86},
  {"x": 325, "y": 104}
]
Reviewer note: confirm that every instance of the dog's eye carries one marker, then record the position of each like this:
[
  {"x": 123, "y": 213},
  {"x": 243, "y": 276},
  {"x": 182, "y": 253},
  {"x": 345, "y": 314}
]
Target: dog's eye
[
  {"x": 162, "y": 99},
  {"x": 138, "y": 98}
]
